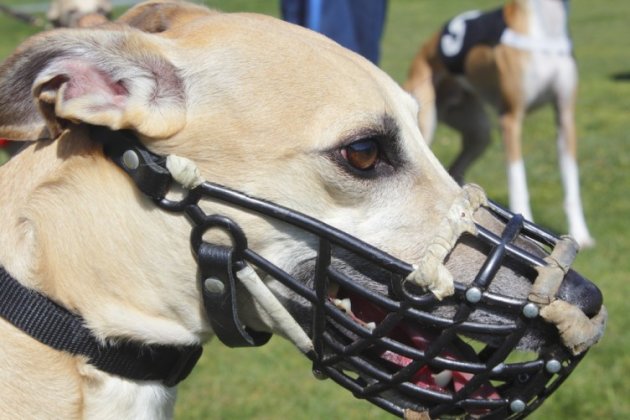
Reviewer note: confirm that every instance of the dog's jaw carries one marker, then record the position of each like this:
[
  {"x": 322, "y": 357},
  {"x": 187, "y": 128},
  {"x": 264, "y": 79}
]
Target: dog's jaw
[{"x": 47, "y": 225}]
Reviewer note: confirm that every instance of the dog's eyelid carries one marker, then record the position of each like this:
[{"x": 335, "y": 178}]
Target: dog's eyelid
[
  {"x": 387, "y": 140},
  {"x": 388, "y": 144},
  {"x": 368, "y": 146}
]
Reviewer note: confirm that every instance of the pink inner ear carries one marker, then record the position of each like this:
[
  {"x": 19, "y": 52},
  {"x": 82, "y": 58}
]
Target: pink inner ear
[
  {"x": 85, "y": 79},
  {"x": 93, "y": 89}
]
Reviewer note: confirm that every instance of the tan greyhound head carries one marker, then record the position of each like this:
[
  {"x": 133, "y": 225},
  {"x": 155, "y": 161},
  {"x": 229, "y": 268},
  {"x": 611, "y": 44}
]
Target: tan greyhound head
[{"x": 335, "y": 223}]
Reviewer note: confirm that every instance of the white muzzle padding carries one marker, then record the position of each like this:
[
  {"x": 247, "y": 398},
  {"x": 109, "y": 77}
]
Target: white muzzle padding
[
  {"x": 280, "y": 319},
  {"x": 430, "y": 272}
]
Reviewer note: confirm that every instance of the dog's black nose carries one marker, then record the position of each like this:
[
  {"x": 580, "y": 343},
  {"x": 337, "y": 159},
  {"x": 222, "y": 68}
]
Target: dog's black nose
[{"x": 580, "y": 292}]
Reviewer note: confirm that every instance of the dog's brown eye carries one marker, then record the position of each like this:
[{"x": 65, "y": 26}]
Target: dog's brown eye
[{"x": 362, "y": 155}]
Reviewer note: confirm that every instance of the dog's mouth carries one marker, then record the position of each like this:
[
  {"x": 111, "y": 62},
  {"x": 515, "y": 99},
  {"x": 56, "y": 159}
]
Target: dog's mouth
[
  {"x": 405, "y": 366},
  {"x": 393, "y": 342},
  {"x": 369, "y": 316},
  {"x": 404, "y": 350}
]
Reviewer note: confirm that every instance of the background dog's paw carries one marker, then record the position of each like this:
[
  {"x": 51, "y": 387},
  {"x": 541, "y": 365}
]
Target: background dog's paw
[{"x": 585, "y": 241}]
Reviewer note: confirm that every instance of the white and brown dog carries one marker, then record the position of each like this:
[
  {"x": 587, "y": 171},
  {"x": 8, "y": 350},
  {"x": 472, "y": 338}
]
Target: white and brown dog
[
  {"x": 79, "y": 13},
  {"x": 516, "y": 58},
  {"x": 274, "y": 111}
]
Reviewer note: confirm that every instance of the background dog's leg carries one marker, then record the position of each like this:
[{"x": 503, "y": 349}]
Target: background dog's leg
[
  {"x": 468, "y": 116},
  {"x": 420, "y": 86},
  {"x": 428, "y": 113},
  {"x": 511, "y": 129},
  {"x": 567, "y": 156}
]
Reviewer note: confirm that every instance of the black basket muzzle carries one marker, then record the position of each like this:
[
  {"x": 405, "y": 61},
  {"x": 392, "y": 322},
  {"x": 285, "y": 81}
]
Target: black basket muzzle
[{"x": 405, "y": 358}]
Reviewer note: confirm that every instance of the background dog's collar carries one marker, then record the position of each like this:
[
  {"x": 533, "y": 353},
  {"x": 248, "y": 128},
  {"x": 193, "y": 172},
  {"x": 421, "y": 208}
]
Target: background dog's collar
[
  {"x": 55, "y": 326},
  {"x": 555, "y": 46}
]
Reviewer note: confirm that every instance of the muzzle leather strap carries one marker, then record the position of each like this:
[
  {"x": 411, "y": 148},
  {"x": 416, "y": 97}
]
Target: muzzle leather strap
[
  {"x": 146, "y": 169},
  {"x": 55, "y": 326},
  {"x": 218, "y": 287}
]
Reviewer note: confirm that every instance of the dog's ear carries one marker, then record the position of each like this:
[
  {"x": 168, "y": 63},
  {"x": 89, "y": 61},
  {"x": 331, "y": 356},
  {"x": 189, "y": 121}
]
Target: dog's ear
[
  {"x": 161, "y": 15},
  {"x": 118, "y": 78}
]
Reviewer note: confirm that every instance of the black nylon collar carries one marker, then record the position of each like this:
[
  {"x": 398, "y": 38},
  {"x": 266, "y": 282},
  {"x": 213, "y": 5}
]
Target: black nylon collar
[{"x": 55, "y": 326}]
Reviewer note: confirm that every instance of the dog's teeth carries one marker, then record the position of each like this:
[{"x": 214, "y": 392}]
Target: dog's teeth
[
  {"x": 443, "y": 378},
  {"x": 347, "y": 305},
  {"x": 370, "y": 326},
  {"x": 343, "y": 304}
]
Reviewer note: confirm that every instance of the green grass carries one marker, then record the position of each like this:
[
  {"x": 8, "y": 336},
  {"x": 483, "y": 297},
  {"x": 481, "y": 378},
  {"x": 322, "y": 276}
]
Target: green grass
[
  {"x": 12, "y": 32},
  {"x": 275, "y": 381}
]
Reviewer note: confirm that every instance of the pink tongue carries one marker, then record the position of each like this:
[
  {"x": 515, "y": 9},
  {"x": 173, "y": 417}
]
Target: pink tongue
[
  {"x": 424, "y": 377},
  {"x": 367, "y": 312}
]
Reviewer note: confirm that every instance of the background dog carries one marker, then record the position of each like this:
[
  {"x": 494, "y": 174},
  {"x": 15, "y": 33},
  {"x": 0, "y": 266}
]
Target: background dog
[
  {"x": 78, "y": 13},
  {"x": 337, "y": 140},
  {"x": 515, "y": 59}
]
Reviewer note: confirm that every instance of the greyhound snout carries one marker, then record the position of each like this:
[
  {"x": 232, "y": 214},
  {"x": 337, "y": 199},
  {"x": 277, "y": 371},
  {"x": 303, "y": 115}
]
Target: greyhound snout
[{"x": 581, "y": 292}]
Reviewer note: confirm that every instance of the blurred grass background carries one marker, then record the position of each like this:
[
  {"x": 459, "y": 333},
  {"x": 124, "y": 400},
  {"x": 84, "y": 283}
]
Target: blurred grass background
[{"x": 275, "y": 382}]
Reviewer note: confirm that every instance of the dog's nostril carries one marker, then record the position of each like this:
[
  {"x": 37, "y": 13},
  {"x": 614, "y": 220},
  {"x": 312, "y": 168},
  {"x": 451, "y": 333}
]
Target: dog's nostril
[{"x": 580, "y": 292}]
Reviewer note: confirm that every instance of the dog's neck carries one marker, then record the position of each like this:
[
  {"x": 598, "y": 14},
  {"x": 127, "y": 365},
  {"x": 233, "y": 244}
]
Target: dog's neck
[
  {"x": 129, "y": 293},
  {"x": 99, "y": 227},
  {"x": 106, "y": 396},
  {"x": 547, "y": 19},
  {"x": 537, "y": 26}
]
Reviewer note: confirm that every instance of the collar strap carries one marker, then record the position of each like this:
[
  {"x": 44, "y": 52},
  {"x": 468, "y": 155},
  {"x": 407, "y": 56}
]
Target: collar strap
[
  {"x": 555, "y": 46},
  {"x": 55, "y": 326}
]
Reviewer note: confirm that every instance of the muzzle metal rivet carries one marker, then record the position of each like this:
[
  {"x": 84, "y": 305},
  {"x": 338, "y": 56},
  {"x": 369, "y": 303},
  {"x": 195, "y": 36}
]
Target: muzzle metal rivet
[
  {"x": 214, "y": 286},
  {"x": 530, "y": 310},
  {"x": 319, "y": 375},
  {"x": 130, "y": 159},
  {"x": 517, "y": 406},
  {"x": 473, "y": 295},
  {"x": 553, "y": 366}
]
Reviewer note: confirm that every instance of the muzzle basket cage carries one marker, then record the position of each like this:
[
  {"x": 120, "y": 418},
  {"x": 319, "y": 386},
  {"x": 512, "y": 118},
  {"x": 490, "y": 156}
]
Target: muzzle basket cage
[
  {"x": 349, "y": 359},
  {"x": 348, "y": 351}
]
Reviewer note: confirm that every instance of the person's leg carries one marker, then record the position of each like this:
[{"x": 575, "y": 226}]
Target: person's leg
[
  {"x": 294, "y": 11},
  {"x": 369, "y": 23},
  {"x": 337, "y": 22},
  {"x": 356, "y": 24}
]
